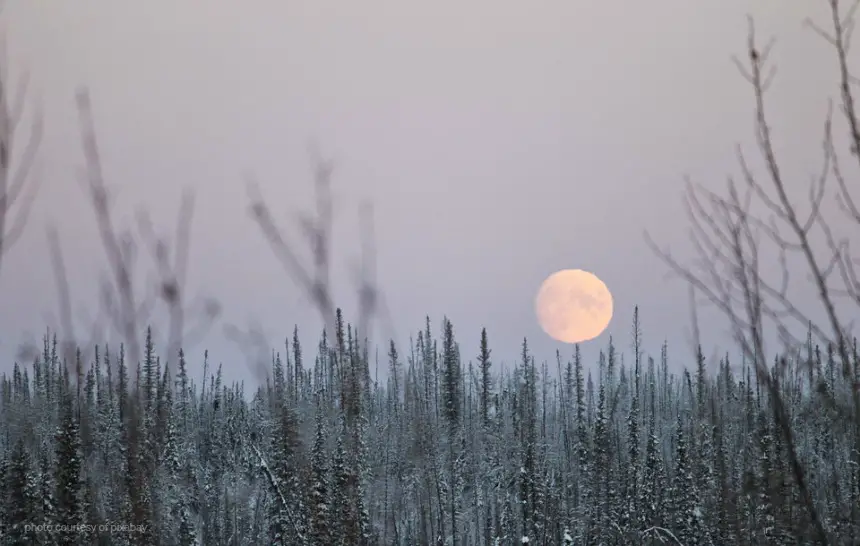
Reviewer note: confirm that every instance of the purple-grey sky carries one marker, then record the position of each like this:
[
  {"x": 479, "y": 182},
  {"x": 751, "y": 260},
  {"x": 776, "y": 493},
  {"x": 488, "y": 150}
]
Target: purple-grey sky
[{"x": 499, "y": 141}]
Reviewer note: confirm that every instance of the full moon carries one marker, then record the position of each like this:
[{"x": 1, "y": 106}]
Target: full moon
[{"x": 573, "y": 306}]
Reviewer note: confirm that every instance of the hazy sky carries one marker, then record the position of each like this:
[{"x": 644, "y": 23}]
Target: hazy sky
[{"x": 499, "y": 141}]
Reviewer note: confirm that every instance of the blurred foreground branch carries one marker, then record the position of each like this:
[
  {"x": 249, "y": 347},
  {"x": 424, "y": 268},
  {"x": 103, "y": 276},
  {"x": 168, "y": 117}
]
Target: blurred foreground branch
[
  {"x": 128, "y": 309},
  {"x": 315, "y": 281},
  {"x": 18, "y": 152}
]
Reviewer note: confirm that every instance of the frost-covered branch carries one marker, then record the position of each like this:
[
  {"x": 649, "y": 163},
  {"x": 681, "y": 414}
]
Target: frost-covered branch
[
  {"x": 273, "y": 482},
  {"x": 658, "y": 532}
]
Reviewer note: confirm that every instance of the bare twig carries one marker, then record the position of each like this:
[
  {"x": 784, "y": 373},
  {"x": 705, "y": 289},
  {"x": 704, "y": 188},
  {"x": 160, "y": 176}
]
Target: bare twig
[
  {"x": 729, "y": 238},
  {"x": 659, "y": 532}
]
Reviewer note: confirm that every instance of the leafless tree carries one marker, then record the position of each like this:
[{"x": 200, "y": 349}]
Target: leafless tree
[{"x": 737, "y": 236}]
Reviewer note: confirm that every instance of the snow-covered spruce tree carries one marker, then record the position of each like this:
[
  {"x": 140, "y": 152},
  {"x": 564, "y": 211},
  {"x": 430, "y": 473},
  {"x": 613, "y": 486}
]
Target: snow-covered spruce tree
[
  {"x": 69, "y": 482},
  {"x": 453, "y": 417},
  {"x": 584, "y": 451},
  {"x": 484, "y": 367},
  {"x": 391, "y": 419},
  {"x": 106, "y": 439},
  {"x": 206, "y": 458},
  {"x": 21, "y": 509},
  {"x": 768, "y": 528},
  {"x": 137, "y": 482},
  {"x": 47, "y": 495},
  {"x": 685, "y": 503},
  {"x": 528, "y": 479},
  {"x": 298, "y": 366},
  {"x": 180, "y": 455},
  {"x": 344, "y": 524},
  {"x": 284, "y": 462},
  {"x": 169, "y": 479},
  {"x": 651, "y": 493},
  {"x": 351, "y": 520},
  {"x": 319, "y": 532},
  {"x": 632, "y": 521},
  {"x": 360, "y": 418},
  {"x": 601, "y": 529}
]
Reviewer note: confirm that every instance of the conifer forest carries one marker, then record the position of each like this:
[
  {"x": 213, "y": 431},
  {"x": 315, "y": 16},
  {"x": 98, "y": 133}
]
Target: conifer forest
[
  {"x": 118, "y": 428},
  {"x": 452, "y": 447}
]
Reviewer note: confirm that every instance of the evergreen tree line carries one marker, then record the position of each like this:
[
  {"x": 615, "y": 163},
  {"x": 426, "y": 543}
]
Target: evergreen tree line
[{"x": 452, "y": 447}]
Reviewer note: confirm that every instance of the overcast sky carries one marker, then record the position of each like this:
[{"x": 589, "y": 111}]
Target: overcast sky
[{"x": 499, "y": 141}]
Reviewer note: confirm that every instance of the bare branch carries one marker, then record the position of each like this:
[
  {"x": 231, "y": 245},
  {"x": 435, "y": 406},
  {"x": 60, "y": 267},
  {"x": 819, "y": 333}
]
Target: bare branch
[
  {"x": 64, "y": 298},
  {"x": 118, "y": 250},
  {"x": 658, "y": 532},
  {"x": 273, "y": 482},
  {"x": 726, "y": 235},
  {"x": 367, "y": 294},
  {"x": 127, "y": 308},
  {"x": 254, "y": 346},
  {"x": 315, "y": 281},
  {"x": 171, "y": 274},
  {"x": 18, "y": 185},
  {"x": 317, "y": 231}
]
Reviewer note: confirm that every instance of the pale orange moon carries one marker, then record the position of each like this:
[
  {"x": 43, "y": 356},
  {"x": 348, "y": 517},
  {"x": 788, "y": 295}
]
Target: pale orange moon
[{"x": 573, "y": 306}]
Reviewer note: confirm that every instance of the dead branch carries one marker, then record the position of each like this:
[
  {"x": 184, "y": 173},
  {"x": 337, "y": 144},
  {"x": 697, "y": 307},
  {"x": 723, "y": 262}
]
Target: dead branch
[
  {"x": 126, "y": 308},
  {"x": 64, "y": 298},
  {"x": 317, "y": 229},
  {"x": 120, "y": 298},
  {"x": 273, "y": 482},
  {"x": 254, "y": 345},
  {"x": 18, "y": 185},
  {"x": 171, "y": 277},
  {"x": 366, "y": 274},
  {"x": 69, "y": 343},
  {"x": 660, "y": 532}
]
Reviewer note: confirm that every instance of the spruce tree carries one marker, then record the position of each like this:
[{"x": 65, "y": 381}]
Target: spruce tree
[
  {"x": 451, "y": 392},
  {"x": 484, "y": 367},
  {"x": 319, "y": 532},
  {"x": 22, "y": 499},
  {"x": 651, "y": 497},
  {"x": 69, "y": 480}
]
